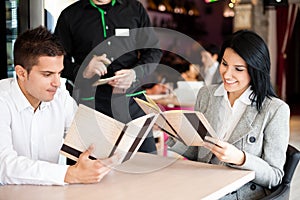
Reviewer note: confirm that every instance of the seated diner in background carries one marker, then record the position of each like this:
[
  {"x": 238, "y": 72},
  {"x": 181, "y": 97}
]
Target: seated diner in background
[{"x": 210, "y": 64}]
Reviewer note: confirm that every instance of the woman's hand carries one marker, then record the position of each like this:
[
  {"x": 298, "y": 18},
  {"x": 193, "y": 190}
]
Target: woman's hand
[{"x": 224, "y": 151}]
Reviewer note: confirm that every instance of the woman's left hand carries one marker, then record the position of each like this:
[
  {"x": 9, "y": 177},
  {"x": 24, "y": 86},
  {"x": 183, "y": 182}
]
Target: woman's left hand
[{"x": 224, "y": 151}]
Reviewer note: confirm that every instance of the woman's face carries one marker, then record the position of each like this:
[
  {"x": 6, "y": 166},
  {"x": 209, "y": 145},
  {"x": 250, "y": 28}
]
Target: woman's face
[{"x": 234, "y": 72}]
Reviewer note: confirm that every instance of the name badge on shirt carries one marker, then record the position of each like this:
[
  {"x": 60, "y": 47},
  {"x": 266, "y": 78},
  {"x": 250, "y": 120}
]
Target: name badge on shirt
[{"x": 122, "y": 32}]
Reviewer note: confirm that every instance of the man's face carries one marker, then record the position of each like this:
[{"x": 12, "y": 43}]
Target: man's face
[{"x": 41, "y": 83}]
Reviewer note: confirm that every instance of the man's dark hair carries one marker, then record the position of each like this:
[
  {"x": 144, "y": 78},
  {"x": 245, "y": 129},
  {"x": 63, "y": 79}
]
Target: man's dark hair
[
  {"x": 34, "y": 43},
  {"x": 212, "y": 49}
]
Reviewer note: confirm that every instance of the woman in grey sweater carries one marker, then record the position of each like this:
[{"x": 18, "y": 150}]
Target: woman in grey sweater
[{"x": 251, "y": 122}]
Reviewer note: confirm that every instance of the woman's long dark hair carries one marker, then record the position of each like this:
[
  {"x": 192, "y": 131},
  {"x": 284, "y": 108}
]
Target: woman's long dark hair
[{"x": 252, "y": 48}]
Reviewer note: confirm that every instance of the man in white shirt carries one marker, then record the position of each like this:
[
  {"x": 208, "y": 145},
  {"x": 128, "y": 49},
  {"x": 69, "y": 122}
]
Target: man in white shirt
[{"x": 35, "y": 114}]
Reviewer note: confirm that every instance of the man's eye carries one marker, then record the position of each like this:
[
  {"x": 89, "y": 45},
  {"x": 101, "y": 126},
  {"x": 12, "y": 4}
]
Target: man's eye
[{"x": 46, "y": 74}]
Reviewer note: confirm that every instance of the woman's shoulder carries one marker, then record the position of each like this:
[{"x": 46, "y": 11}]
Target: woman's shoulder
[
  {"x": 274, "y": 103},
  {"x": 205, "y": 96},
  {"x": 209, "y": 89}
]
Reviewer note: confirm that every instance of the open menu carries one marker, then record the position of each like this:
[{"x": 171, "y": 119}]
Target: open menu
[
  {"x": 189, "y": 127},
  {"x": 108, "y": 135}
]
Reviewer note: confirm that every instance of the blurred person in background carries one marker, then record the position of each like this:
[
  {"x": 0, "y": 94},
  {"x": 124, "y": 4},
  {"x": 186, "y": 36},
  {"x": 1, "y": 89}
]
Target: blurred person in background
[{"x": 210, "y": 69}]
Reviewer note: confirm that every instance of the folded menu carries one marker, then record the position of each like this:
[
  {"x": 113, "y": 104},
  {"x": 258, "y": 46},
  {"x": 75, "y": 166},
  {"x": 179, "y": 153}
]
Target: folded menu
[
  {"x": 189, "y": 127},
  {"x": 108, "y": 135}
]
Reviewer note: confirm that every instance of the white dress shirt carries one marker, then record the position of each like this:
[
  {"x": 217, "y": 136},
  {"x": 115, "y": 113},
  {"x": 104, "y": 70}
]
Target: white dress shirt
[
  {"x": 30, "y": 141},
  {"x": 229, "y": 115}
]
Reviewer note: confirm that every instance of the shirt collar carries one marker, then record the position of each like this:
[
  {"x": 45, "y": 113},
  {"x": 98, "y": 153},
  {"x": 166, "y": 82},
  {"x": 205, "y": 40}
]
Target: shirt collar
[
  {"x": 44, "y": 105},
  {"x": 21, "y": 101},
  {"x": 220, "y": 91},
  {"x": 245, "y": 96}
]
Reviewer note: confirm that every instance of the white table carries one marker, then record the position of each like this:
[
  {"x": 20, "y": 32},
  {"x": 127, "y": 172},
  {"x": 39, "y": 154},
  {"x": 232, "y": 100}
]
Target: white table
[{"x": 144, "y": 177}]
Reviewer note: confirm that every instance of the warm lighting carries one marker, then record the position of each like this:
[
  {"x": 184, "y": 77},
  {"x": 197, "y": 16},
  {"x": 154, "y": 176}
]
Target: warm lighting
[
  {"x": 161, "y": 7},
  {"x": 179, "y": 10},
  {"x": 191, "y": 12},
  {"x": 228, "y": 13},
  {"x": 191, "y": 9},
  {"x": 254, "y": 2},
  {"x": 172, "y": 6},
  {"x": 228, "y": 10}
]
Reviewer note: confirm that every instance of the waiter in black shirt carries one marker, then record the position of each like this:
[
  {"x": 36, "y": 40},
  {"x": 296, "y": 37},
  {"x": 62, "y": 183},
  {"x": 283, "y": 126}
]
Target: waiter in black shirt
[{"x": 105, "y": 38}]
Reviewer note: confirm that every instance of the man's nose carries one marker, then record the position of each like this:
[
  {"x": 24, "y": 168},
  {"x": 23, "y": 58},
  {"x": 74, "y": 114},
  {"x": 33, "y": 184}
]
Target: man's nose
[{"x": 56, "y": 81}]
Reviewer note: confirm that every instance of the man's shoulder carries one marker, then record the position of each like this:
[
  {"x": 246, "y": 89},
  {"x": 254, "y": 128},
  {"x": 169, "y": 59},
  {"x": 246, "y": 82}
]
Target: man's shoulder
[
  {"x": 6, "y": 88},
  {"x": 6, "y": 84}
]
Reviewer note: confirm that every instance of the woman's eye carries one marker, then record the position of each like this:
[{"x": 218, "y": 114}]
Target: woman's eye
[
  {"x": 239, "y": 69},
  {"x": 224, "y": 63}
]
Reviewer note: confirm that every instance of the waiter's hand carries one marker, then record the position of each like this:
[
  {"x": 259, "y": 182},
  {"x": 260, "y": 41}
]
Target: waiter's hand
[
  {"x": 97, "y": 66},
  {"x": 125, "y": 81},
  {"x": 224, "y": 151}
]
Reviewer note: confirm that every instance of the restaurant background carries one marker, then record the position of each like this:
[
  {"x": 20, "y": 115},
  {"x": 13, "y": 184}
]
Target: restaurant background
[{"x": 206, "y": 21}]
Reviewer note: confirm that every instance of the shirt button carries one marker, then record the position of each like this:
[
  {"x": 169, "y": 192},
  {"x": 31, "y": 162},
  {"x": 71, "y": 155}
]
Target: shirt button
[
  {"x": 104, "y": 12},
  {"x": 252, "y": 139},
  {"x": 106, "y": 27},
  {"x": 109, "y": 43},
  {"x": 112, "y": 58},
  {"x": 253, "y": 187}
]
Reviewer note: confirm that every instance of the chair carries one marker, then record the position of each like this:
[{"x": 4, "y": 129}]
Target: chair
[{"x": 282, "y": 191}]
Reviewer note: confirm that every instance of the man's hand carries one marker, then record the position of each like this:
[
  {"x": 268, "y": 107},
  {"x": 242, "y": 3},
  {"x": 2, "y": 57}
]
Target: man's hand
[
  {"x": 96, "y": 66},
  {"x": 87, "y": 170},
  {"x": 123, "y": 82},
  {"x": 224, "y": 151}
]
